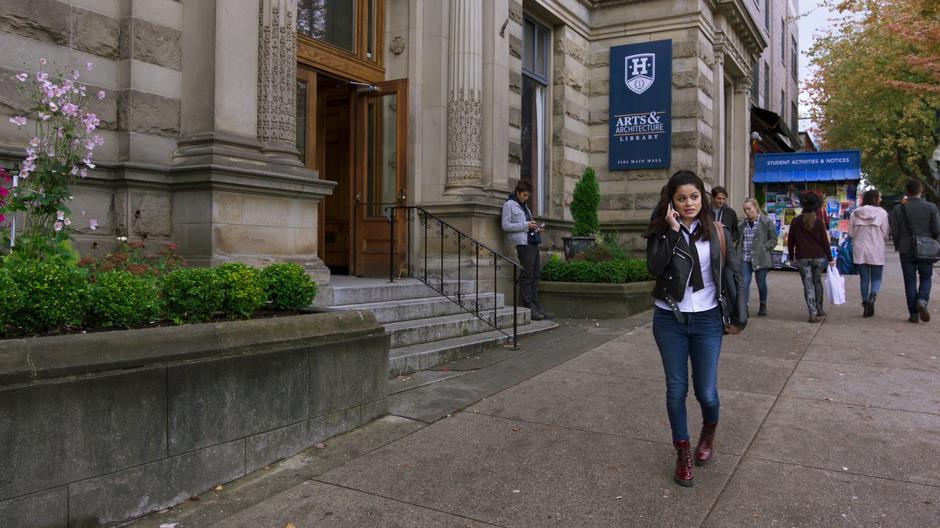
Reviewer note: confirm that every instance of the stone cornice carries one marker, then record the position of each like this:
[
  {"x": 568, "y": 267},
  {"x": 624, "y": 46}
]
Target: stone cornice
[{"x": 742, "y": 22}]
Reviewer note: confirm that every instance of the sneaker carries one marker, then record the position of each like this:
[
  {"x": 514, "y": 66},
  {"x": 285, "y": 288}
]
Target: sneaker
[
  {"x": 534, "y": 313},
  {"x": 815, "y": 319},
  {"x": 914, "y": 318},
  {"x": 923, "y": 312},
  {"x": 545, "y": 313}
]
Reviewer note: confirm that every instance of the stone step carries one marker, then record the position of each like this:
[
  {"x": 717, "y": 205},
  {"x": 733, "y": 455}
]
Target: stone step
[
  {"x": 414, "y": 358},
  {"x": 423, "y": 308},
  {"x": 407, "y": 333},
  {"x": 361, "y": 291}
]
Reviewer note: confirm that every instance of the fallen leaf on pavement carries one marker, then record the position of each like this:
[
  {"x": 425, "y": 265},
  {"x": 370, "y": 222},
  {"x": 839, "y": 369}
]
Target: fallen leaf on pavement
[
  {"x": 289, "y": 525},
  {"x": 194, "y": 498},
  {"x": 319, "y": 445},
  {"x": 218, "y": 488},
  {"x": 169, "y": 525}
]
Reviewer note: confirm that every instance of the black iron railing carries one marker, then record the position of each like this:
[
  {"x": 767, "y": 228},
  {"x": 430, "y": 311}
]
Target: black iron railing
[{"x": 442, "y": 238}]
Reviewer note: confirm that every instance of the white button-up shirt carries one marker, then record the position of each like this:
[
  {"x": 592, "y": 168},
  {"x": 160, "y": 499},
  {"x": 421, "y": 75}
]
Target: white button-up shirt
[{"x": 704, "y": 299}]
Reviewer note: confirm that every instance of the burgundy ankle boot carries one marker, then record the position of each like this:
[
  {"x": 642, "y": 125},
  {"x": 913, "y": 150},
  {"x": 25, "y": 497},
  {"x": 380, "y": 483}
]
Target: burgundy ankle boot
[
  {"x": 683, "y": 476},
  {"x": 703, "y": 452}
]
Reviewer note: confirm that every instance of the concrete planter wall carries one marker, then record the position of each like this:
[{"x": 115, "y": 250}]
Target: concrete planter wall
[
  {"x": 104, "y": 427},
  {"x": 591, "y": 300}
]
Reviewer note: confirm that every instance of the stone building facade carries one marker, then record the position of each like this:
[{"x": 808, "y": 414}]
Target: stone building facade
[{"x": 262, "y": 130}]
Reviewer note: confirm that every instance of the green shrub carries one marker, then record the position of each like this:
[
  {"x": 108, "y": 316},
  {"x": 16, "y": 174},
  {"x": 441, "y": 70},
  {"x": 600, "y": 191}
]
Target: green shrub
[
  {"x": 12, "y": 300},
  {"x": 242, "y": 287},
  {"x": 52, "y": 294},
  {"x": 611, "y": 271},
  {"x": 192, "y": 295},
  {"x": 288, "y": 287},
  {"x": 584, "y": 203},
  {"x": 121, "y": 299}
]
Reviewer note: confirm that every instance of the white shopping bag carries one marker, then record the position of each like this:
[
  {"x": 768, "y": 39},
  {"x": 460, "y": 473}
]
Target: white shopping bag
[{"x": 835, "y": 286}]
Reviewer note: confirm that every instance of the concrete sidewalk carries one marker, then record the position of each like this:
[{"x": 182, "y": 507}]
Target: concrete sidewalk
[{"x": 832, "y": 424}]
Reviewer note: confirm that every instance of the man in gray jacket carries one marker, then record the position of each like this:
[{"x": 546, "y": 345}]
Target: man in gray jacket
[
  {"x": 524, "y": 233},
  {"x": 924, "y": 221}
]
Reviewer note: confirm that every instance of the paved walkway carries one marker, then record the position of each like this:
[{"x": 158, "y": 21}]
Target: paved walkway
[{"x": 823, "y": 425}]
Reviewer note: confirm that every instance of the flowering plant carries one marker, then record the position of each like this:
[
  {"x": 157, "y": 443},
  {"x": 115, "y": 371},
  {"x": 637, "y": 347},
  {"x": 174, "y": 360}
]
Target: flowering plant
[{"x": 59, "y": 152}]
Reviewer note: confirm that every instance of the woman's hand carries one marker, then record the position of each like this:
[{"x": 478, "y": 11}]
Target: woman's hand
[{"x": 673, "y": 218}]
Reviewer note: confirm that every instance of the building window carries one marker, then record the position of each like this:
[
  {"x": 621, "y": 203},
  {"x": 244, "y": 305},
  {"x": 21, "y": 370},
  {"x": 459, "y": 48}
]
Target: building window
[
  {"x": 794, "y": 59},
  {"x": 783, "y": 40},
  {"x": 767, "y": 6},
  {"x": 755, "y": 83},
  {"x": 535, "y": 55},
  {"x": 350, "y": 26},
  {"x": 795, "y": 117},
  {"x": 783, "y": 106},
  {"x": 766, "y": 86}
]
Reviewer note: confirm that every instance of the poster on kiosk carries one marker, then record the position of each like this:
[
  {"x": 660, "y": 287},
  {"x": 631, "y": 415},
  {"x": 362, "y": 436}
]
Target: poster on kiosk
[{"x": 781, "y": 179}]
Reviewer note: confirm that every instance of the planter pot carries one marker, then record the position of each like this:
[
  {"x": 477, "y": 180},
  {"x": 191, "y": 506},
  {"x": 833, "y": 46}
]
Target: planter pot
[
  {"x": 576, "y": 245},
  {"x": 592, "y": 300},
  {"x": 133, "y": 421}
]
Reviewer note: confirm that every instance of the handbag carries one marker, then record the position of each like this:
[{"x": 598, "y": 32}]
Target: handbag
[
  {"x": 924, "y": 247},
  {"x": 845, "y": 261},
  {"x": 725, "y": 316}
]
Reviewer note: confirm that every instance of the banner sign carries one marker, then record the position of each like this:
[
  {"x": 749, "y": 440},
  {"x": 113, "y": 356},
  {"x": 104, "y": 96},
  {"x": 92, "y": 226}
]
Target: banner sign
[
  {"x": 640, "y": 106},
  {"x": 833, "y": 165}
]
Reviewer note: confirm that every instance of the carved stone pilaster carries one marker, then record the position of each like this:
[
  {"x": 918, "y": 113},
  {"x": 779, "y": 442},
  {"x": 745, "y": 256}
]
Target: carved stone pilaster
[
  {"x": 742, "y": 85},
  {"x": 464, "y": 101},
  {"x": 277, "y": 74}
]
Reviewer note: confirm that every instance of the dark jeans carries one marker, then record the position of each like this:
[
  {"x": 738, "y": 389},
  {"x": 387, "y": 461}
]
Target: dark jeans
[
  {"x": 761, "y": 275},
  {"x": 531, "y": 266},
  {"x": 911, "y": 268},
  {"x": 698, "y": 340},
  {"x": 811, "y": 271},
  {"x": 869, "y": 276}
]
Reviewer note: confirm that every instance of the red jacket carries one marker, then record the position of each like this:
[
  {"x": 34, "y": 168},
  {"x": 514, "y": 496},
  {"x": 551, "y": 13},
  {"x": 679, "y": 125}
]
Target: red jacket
[{"x": 812, "y": 243}]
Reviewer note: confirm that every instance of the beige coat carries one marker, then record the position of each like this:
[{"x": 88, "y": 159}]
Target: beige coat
[{"x": 868, "y": 228}]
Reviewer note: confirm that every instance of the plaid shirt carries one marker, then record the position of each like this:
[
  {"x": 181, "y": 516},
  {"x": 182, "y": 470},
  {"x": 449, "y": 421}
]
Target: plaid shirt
[{"x": 747, "y": 240}]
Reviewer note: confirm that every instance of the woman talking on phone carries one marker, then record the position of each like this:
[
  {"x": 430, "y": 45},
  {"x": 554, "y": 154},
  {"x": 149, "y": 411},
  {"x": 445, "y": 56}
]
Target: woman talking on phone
[{"x": 699, "y": 297}]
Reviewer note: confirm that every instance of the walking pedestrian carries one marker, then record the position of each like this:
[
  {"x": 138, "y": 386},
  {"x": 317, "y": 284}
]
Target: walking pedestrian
[
  {"x": 758, "y": 239},
  {"x": 808, "y": 242},
  {"x": 915, "y": 218},
  {"x": 723, "y": 213},
  {"x": 698, "y": 297},
  {"x": 868, "y": 229},
  {"x": 525, "y": 234}
]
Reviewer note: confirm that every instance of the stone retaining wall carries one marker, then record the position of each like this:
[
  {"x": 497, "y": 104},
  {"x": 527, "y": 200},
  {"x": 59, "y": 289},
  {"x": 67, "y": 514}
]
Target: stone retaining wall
[
  {"x": 104, "y": 427},
  {"x": 586, "y": 300}
]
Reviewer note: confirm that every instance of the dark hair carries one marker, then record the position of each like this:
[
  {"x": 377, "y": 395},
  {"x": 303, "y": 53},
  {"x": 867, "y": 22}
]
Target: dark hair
[
  {"x": 660, "y": 225},
  {"x": 810, "y": 203},
  {"x": 523, "y": 186},
  {"x": 718, "y": 189},
  {"x": 870, "y": 197},
  {"x": 914, "y": 187}
]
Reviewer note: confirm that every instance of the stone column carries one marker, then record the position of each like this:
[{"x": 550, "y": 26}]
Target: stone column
[
  {"x": 739, "y": 177},
  {"x": 277, "y": 86},
  {"x": 464, "y": 95},
  {"x": 718, "y": 117}
]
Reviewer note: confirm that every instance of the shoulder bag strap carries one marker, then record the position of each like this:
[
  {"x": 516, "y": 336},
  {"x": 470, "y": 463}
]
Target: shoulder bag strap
[{"x": 724, "y": 247}]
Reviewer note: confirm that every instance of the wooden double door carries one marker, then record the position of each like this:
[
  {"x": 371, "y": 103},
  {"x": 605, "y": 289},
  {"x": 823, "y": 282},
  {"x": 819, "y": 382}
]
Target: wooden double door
[{"x": 355, "y": 134}]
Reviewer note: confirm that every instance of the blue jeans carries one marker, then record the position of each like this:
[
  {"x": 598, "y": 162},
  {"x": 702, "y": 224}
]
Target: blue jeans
[
  {"x": 911, "y": 268},
  {"x": 698, "y": 340},
  {"x": 870, "y": 279},
  {"x": 761, "y": 274}
]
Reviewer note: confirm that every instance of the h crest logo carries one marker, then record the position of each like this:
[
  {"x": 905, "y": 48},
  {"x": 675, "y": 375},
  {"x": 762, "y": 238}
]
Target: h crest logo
[{"x": 640, "y": 72}]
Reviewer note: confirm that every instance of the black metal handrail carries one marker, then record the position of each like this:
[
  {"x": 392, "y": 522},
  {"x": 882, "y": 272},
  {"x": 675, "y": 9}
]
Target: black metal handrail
[{"x": 463, "y": 241}]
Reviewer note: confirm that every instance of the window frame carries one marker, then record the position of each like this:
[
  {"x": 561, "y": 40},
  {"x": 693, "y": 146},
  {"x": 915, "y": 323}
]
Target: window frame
[
  {"x": 347, "y": 64},
  {"x": 540, "y": 172}
]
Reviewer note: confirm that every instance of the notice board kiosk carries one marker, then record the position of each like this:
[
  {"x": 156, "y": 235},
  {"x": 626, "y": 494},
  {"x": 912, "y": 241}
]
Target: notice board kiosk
[{"x": 780, "y": 180}]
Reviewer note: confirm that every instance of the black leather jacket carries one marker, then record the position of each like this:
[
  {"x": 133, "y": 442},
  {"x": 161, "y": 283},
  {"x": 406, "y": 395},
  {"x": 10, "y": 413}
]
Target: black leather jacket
[{"x": 669, "y": 260}]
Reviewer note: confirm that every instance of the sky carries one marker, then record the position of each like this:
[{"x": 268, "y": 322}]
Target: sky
[{"x": 815, "y": 17}]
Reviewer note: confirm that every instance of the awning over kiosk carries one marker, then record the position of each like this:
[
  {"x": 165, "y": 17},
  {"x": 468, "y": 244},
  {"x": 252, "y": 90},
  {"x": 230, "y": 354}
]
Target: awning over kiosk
[{"x": 834, "y": 165}]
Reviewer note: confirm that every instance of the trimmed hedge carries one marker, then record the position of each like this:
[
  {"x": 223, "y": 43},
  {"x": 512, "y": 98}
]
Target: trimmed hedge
[
  {"x": 612, "y": 271},
  {"x": 123, "y": 300},
  {"x": 52, "y": 295},
  {"x": 243, "y": 289},
  {"x": 288, "y": 287},
  {"x": 192, "y": 295}
]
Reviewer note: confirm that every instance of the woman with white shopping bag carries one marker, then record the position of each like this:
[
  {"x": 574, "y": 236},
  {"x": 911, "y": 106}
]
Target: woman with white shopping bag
[
  {"x": 808, "y": 243},
  {"x": 835, "y": 286}
]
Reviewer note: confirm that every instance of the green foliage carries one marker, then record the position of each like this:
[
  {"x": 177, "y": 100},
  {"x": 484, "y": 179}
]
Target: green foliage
[
  {"x": 192, "y": 295},
  {"x": 584, "y": 204},
  {"x": 610, "y": 271},
  {"x": 607, "y": 247},
  {"x": 12, "y": 300},
  {"x": 52, "y": 294},
  {"x": 288, "y": 286},
  {"x": 243, "y": 288},
  {"x": 121, "y": 299}
]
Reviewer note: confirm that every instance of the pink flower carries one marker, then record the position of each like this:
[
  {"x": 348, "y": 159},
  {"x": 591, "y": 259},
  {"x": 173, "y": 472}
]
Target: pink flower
[
  {"x": 2, "y": 218},
  {"x": 42, "y": 60},
  {"x": 57, "y": 226},
  {"x": 83, "y": 173},
  {"x": 100, "y": 95},
  {"x": 88, "y": 66},
  {"x": 59, "y": 215},
  {"x": 53, "y": 106},
  {"x": 42, "y": 77},
  {"x": 44, "y": 116},
  {"x": 67, "y": 221},
  {"x": 93, "y": 224},
  {"x": 87, "y": 161},
  {"x": 70, "y": 109},
  {"x": 21, "y": 77},
  {"x": 74, "y": 171},
  {"x": 75, "y": 74},
  {"x": 34, "y": 142},
  {"x": 3, "y": 192},
  {"x": 18, "y": 120}
]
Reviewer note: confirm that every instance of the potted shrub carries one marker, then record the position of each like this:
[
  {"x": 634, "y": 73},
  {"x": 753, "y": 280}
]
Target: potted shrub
[{"x": 584, "y": 204}]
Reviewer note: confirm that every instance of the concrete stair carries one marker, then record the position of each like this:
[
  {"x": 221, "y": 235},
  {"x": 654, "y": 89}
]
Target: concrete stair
[{"x": 425, "y": 328}]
